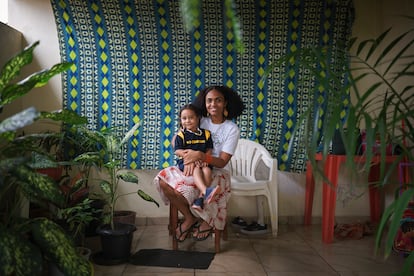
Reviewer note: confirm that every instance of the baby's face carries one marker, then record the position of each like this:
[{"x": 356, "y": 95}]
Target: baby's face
[{"x": 189, "y": 120}]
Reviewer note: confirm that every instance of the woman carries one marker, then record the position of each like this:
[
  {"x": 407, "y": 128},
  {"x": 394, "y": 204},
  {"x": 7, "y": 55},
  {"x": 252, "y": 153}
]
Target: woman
[{"x": 219, "y": 105}]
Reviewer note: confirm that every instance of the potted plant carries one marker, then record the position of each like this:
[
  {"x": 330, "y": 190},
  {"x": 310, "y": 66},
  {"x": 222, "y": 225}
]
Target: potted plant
[
  {"x": 75, "y": 219},
  {"x": 376, "y": 74},
  {"x": 28, "y": 244},
  {"x": 116, "y": 237},
  {"x": 49, "y": 157}
]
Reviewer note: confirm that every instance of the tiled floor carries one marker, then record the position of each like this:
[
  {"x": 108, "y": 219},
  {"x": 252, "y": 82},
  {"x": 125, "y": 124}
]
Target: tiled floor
[{"x": 297, "y": 250}]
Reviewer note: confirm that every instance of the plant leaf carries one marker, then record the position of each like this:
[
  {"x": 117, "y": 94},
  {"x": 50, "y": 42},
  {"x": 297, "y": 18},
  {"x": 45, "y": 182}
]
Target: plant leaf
[
  {"x": 147, "y": 197},
  {"x": 130, "y": 133},
  {"x": 190, "y": 13},
  {"x": 39, "y": 186},
  {"x": 68, "y": 116},
  {"x": 59, "y": 248},
  {"x": 19, "y": 120},
  {"x": 18, "y": 256},
  {"x": 106, "y": 187},
  {"x": 128, "y": 177},
  {"x": 12, "y": 68},
  {"x": 38, "y": 79}
]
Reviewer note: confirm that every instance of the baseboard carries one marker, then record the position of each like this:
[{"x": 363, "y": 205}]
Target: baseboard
[
  {"x": 283, "y": 220},
  {"x": 298, "y": 220}
]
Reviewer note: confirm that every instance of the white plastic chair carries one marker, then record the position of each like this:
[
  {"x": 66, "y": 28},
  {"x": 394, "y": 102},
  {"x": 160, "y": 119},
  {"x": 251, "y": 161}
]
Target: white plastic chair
[{"x": 244, "y": 166}]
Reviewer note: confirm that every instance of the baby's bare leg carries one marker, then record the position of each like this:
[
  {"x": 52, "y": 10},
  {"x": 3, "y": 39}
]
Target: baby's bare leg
[
  {"x": 207, "y": 175},
  {"x": 199, "y": 179}
]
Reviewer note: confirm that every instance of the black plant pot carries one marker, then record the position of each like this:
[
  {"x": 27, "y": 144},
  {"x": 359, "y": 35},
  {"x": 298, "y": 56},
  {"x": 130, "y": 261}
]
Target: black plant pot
[{"x": 116, "y": 243}]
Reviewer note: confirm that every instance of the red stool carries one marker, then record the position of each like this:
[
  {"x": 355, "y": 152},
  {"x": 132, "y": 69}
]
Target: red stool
[{"x": 331, "y": 171}]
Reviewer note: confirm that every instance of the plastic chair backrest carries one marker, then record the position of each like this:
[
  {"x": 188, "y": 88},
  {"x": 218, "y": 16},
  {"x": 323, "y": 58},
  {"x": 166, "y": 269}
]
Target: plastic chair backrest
[{"x": 247, "y": 158}]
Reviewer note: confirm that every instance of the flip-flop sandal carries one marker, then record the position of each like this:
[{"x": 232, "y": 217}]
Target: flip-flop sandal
[
  {"x": 185, "y": 232},
  {"x": 208, "y": 231}
]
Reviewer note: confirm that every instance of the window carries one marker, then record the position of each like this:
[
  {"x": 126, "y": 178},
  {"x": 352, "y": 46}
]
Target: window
[{"x": 4, "y": 11}]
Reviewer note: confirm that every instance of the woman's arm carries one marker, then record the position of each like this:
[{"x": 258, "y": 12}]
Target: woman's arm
[
  {"x": 229, "y": 142},
  {"x": 179, "y": 152},
  {"x": 191, "y": 156},
  {"x": 202, "y": 163},
  {"x": 219, "y": 162}
]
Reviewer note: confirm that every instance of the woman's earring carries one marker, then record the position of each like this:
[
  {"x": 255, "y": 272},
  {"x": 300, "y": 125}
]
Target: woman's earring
[{"x": 225, "y": 113}]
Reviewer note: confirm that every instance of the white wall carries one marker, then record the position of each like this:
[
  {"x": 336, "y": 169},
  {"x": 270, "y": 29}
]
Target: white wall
[
  {"x": 36, "y": 21},
  {"x": 3, "y": 11}
]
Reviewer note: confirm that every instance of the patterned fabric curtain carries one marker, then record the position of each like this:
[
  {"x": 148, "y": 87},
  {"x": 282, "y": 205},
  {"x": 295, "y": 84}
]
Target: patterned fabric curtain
[{"x": 134, "y": 62}]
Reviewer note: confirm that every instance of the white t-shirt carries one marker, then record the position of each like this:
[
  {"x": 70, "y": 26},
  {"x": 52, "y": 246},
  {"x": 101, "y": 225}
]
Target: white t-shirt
[{"x": 225, "y": 135}]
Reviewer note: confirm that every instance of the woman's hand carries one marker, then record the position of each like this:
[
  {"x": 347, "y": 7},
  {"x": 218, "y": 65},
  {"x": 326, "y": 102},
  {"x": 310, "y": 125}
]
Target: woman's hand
[
  {"x": 191, "y": 156},
  {"x": 189, "y": 169}
]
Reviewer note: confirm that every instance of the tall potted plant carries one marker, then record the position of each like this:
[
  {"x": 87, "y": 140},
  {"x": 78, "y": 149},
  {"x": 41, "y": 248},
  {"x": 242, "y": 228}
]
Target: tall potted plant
[
  {"x": 27, "y": 244},
  {"x": 116, "y": 237},
  {"x": 379, "y": 82}
]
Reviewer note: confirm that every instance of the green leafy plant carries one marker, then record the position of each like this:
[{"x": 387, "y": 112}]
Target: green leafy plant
[
  {"x": 375, "y": 78},
  {"x": 109, "y": 143},
  {"x": 27, "y": 244},
  {"x": 77, "y": 217},
  {"x": 191, "y": 15}
]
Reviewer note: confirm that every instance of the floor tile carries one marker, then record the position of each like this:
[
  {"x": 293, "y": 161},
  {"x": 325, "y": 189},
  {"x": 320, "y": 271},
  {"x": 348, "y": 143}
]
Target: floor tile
[{"x": 297, "y": 250}]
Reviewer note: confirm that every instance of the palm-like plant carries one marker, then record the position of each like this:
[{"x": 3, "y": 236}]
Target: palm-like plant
[
  {"x": 26, "y": 244},
  {"x": 377, "y": 76},
  {"x": 191, "y": 15}
]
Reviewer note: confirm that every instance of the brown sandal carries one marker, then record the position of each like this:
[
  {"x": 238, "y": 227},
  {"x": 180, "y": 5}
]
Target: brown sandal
[{"x": 353, "y": 231}]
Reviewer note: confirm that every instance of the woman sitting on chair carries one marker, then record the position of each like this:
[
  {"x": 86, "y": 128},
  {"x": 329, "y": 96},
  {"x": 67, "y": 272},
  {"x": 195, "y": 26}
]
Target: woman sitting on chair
[{"x": 219, "y": 105}]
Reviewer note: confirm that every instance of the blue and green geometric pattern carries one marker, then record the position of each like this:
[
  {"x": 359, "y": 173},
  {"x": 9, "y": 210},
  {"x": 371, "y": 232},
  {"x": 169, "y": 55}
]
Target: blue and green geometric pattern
[{"x": 133, "y": 61}]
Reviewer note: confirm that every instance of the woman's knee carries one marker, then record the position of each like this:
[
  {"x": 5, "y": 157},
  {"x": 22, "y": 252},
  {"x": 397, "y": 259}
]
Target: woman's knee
[
  {"x": 165, "y": 187},
  {"x": 171, "y": 193},
  {"x": 162, "y": 184}
]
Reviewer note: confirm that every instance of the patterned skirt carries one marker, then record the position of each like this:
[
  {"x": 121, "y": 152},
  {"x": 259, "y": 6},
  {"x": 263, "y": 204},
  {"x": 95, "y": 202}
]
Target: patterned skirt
[{"x": 214, "y": 213}]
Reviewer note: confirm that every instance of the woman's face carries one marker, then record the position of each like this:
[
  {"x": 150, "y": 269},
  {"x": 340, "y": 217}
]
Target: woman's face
[{"x": 215, "y": 103}]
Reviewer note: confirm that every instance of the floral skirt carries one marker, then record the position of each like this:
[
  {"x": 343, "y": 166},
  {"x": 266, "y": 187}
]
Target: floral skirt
[{"x": 214, "y": 213}]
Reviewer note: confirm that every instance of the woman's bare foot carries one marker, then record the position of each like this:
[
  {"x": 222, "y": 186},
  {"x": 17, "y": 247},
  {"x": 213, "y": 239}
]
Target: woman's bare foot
[{"x": 202, "y": 231}]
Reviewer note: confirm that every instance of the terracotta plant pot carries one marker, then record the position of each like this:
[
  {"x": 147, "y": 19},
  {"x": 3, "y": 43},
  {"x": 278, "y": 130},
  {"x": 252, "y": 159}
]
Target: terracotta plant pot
[
  {"x": 54, "y": 173},
  {"x": 84, "y": 252},
  {"x": 124, "y": 216}
]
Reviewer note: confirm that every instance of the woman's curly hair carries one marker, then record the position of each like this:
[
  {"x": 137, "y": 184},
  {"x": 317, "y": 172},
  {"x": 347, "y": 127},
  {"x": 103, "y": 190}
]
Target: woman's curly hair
[{"x": 235, "y": 105}]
